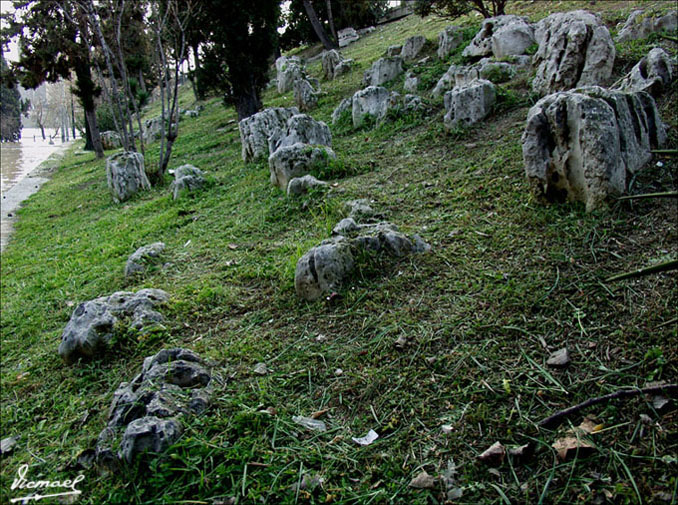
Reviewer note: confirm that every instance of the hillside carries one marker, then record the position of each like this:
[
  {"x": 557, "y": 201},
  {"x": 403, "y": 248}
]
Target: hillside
[{"x": 442, "y": 353}]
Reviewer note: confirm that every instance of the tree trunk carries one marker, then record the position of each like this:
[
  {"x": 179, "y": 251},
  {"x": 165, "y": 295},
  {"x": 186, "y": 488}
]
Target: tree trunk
[{"x": 318, "y": 27}]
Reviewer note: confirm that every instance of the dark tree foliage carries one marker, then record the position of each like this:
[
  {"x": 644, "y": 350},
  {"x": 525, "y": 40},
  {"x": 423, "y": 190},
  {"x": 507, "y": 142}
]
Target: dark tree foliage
[
  {"x": 52, "y": 46},
  {"x": 345, "y": 13},
  {"x": 10, "y": 105},
  {"x": 240, "y": 39},
  {"x": 457, "y": 8}
]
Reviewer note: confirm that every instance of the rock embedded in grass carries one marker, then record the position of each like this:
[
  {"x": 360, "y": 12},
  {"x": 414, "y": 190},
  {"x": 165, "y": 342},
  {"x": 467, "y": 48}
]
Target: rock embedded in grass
[
  {"x": 145, "y": 414},
  {"x": 92, "y": 325},
  {"x": 187, "y": 179},
  {"x": 125, "y": 175},
  {"x": 582, "y": 145},
  {"x": 139, "y": 261},
  {"x": 575, "y": 50}
]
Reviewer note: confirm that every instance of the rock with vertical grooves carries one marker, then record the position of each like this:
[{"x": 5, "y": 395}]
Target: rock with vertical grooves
[
  {"x": 126, "y": 175},
  {"x": 580, "y": 145}
]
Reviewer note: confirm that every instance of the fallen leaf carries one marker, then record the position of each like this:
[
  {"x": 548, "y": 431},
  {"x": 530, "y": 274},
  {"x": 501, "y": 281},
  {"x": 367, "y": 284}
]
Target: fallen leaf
[
  {"x": 568, "y": 447},
  {"x": 494, "y": 455},
  {"x": 423, "y": 481}
]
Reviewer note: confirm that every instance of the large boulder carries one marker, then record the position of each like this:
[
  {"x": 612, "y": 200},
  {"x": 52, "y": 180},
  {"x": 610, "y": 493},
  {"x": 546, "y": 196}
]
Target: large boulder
[
  {"x": 448, "y": 40},
  {"x": 641, "y": 25},
  {"x": 575, "y": 50},
  {"x": 296, "y": 160},
  {"x": 374, "y": 101},
  {"x": 469, "y": 104},
  {"x": 346, "y": 36},
  {"x": 110, "y": 140},
  {"x": 301, "y": 128},
  {"x": 305, "y": 95},
  {"x": 187, "y": 179},
  {"x": 145, "y": 413},
  {"x": 93, "y": 323},
  {"x": 140, "y": 260},
  {"x": 413, "y": 47},
  {"x": 126, "y": 175},
  {"x": 507, "y": 35},
  {"x": 258, "y": 128},
  {"x": 383, "y": 70},
  {"x": 653, "y": 73},
  {"x": 581, "y": 144}
]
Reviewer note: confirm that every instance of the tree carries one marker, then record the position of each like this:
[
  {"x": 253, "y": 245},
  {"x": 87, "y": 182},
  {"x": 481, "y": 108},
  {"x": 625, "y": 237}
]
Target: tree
[
  {"x": 10, "y": 104},
  {"x": 457, "y": 8},
  {"x": 53, "y": 43},
  {"x": 240, "y": 39}
]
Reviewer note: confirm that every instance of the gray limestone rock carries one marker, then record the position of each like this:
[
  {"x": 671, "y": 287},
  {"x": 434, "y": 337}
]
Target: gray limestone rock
[
  {"x": 412, "y": 48},
  {"x": 139, "y": 261},
  {"x": 469, "y": 104},
  {"x": 125, "y": 175},
  {"x": 575, "y": 50},
  {"x": 653, "y": 73},
  {"x": 91, "y": 326},
  {"x": 300, "y": 185},
  {"x": 296, "y": 160},
  {"x": 383, "y": 70},
  {"x": 258, "y": 128},
  {"x": 580, "y": 145},
  {"x": 448, "y": 40},
  {"x": 187, "y": 179}
]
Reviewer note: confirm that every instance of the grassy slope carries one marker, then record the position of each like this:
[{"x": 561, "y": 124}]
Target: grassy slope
[{"x": 506, "y": 277}]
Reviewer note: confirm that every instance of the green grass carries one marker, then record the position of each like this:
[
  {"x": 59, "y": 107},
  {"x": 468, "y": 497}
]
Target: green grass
[{"x": 507, "y": 280}]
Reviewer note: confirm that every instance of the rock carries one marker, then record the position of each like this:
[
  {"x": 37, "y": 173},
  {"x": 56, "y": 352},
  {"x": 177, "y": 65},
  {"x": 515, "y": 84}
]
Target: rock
[
  {"x": 412, "y": 48},
  {"x": 413, "y": 103},
  {"x": 148, "y": 434},
  {"x": 144, "y": 413},
  {"x": 374, "y": 101},
  {"x": 125, "y": 175},
  {"x": 289, "y": 162},
  {"x": 469, "y": 104},
  {"x": 559, "y": 358},
  {"x": 423, "y": 481},
  {"x": 92, "y": 324},
  {"x": 507, "y": 35},
  {"x": 411, "y": 82},
  {"x": 289, "y": 70},
  {"x": 640, "y": 25},
  {"x": 346, "y": 36},
  {"x": 575, "y": 50},
  {"x": 187, "y": 179},
  {"x": 494, "y": 455},
  {"x": 448, "y": 40},
  {"x": 7, "y": 445},
  {"x": 300, "y": 185},
  {"x": 300, "y": 128},
  {"x": 580, "y": 145},
  {"x": 344, "y": 105},
  {"x": 330, "y": 59},
  {"x": 305, "y": 96},
  {"x": 393, "y": 51},
  {"x": 110, "y": 140},
  {"x": 142, "y": 258},
  {"x": 323, "y": 269},
  {"x": 653, "y": 73},
  {"x": 256, "y": 130},
  {"x": 383, "y": 70}
]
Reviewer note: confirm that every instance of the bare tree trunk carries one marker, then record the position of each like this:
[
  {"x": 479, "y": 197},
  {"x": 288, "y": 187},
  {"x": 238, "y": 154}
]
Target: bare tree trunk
[{"x": 318, "y": 27}]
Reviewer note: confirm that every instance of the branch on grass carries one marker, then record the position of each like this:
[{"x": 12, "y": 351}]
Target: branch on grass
[
  {"x": 661, "y": 267},
  {"x": 666, "y": 194},
  {"x": 555, "y": 419}
]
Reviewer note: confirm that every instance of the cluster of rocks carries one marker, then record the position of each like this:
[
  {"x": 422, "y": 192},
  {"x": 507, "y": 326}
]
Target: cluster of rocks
[
  {"x": 93, "y": 323},
  {"x": 334, "y": 64},
  {"x": 583, "y": 144},
  {"x": 146, "y": 413},
  {"x": 326, "y": 267},
  {"x": 295, "y": 144}
]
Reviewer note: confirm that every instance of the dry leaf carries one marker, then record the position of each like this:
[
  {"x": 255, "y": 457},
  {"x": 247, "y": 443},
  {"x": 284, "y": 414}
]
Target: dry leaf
[
  {"x": 569, "y": 446},
  {"x": 423, "y": 481},
  {"x": 494, "y": 455}
]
